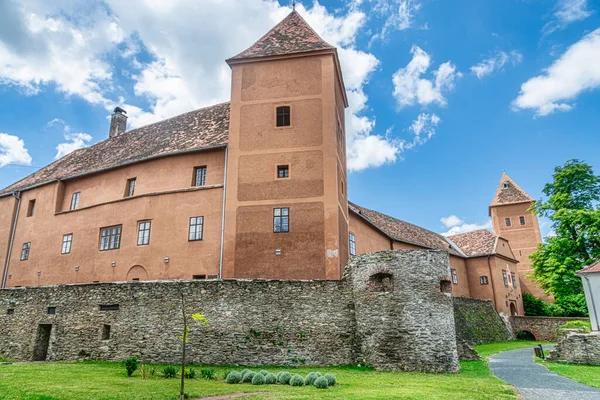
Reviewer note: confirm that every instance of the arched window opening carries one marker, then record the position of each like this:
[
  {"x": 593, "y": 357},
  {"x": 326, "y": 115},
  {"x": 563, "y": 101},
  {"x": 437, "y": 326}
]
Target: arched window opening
[{"x": 381, "y": 282}]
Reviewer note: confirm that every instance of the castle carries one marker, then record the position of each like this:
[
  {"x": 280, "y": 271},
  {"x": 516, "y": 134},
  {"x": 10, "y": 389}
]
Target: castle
[{"x": 252, "y": 188}]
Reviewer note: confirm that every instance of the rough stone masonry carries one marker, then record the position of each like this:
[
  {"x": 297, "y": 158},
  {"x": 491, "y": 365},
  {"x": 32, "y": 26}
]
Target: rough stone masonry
[{"x": 393, "y": 310}]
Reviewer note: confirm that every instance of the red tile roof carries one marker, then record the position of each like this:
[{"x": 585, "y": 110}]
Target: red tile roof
[
  {"x": 595, "y": 267},
  {"x": 403, "y": 231},
  {"x": 292, "y": 35},
  {"x": 477, "y": 243},
  {"x": 195, "y": 130},
  {"x": 510, "y": 194}
]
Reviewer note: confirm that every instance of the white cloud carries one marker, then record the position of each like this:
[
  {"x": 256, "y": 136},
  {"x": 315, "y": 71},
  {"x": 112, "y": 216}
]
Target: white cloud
[
  {"x": 574, "y": 72},
  {"x": 400, "y": 16},
  {"x": 424, "y": 128},
  {"x": 410, "y": 88},
  {"x": 75, "y": 140},
  {"x": 451, "y": 220},
  {"x": 13, "y": 151},
  {"x": 496, "y": 62},
  {"x": 464, "y": 227},
  {"x": 567, "y": 12}
]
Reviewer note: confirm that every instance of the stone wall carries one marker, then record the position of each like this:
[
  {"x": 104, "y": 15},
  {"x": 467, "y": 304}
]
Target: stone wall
[
  {"x": 543, "y": 328},
  {"x": 577, "y": 348},
  {"x": 252, "y": 322},
  {"x": 477, "y": 322}
]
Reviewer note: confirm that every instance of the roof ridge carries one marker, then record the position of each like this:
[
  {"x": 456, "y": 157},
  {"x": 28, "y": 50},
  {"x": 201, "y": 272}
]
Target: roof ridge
[
  {"x": 506, "y": 195},
  {"x": 475, "y": 230}
]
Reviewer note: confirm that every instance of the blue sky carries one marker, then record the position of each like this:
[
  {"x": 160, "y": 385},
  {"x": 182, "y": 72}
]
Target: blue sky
[{"x": 444, "y": 95}]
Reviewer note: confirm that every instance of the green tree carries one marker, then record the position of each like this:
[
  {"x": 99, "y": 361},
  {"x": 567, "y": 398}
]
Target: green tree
[{"x": 572, "y": 205}]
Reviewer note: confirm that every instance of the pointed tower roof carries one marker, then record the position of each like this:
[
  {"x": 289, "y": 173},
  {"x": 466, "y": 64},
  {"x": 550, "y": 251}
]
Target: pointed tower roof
[
  {"x": 509, "y": 192},
  {"x": 290, "y": 36}
]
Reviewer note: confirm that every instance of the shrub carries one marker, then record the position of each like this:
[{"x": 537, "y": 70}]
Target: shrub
[
  {"x": 233, "y": 377},
  {"x": 321, "y": 382},
  {"x": 297, "y": 380},
  {"x": 208, "y": 373},
  {"x": 270, "y": 379},
  {"x": 331, "y": 381},
  {"x": 248, "y": 376},
  {"x": 583, "y": 326},
  {"x": 244, "y": 372},
  {"x": 131, "y": 365},
  {"x": 284, "y": 378},
  {"x": 264, "y": 373},
  {"x": 258, "y": 379},
  {"x": 310, "y": 378},
  {"x": 169, "y": 372},
  {"x": 533, "y": 306},
  {"x": 190, "y": 373}
]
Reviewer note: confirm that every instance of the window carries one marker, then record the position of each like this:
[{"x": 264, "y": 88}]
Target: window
[
  {"x": 109, "y": 307},
  {"x": 75, "y": 200},
  {"x": 483, "y": 280},
  {"x": 196, "y": 225},
  {"x": 454, "y": 276},
  {"x": 514, "y": 280},
  {"x": 283, "y": 116},
  {"x": 25, "y": 251},
  {"x": 505, "y": 184},
  {"x": 507, "y": 220},
  {"x": 31, "y": 208},
  {"x": 505, "y": 277},
  {"x": 283, "y": 171},
  {"x": 51, "y": 310},
  {"x": 66, "y": 244},
  {"x": 10, "y": 311},
  {"x": 130, "y": 188},
  {"x": 199, "y": 176},
  {"x": 352, "y": 245},
  {"x": 105, "y": 332},
  {"x": 143, "y": 233},
  {"x": 522, "y": 220},
  {"x": 110, "y": 238},
  {"x": 198, "y": 276},
  {"x": 281, "y": 220}
]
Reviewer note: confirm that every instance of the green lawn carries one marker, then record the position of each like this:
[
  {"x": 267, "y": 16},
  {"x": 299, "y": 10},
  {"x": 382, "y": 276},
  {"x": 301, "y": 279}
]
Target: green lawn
[
  {"x": 586, "y": 374},
  {"x": 487, "y": 350},
  {"x": 105, "y": 380}
]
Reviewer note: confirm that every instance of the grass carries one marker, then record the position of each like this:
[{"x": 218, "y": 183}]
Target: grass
[
  {"x": 487, "y": 350},
  {"x": 104, "y": 380},
  {"x": 586, "y": 374}
]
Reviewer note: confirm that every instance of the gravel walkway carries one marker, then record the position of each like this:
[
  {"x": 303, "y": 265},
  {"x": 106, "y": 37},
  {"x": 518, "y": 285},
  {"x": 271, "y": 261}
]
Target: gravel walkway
[{"x": 534, "y": 381}]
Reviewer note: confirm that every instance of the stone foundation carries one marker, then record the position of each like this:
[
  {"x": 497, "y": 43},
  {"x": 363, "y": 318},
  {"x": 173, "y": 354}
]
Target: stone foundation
[
  {"x": 391, "y": 310},
  {"x": 577, "y": 348}
]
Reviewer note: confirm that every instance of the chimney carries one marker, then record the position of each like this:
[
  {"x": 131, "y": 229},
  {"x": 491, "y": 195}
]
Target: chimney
[{"x": 118, "y": 122}]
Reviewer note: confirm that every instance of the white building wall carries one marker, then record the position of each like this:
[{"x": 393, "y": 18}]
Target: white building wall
[{"x": 591, "y": 286}]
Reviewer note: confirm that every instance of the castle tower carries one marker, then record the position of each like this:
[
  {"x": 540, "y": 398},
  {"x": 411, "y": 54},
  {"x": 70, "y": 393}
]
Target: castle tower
[
  {"x": 286, "y": 214},
  {"x": 512, "y": 221}
]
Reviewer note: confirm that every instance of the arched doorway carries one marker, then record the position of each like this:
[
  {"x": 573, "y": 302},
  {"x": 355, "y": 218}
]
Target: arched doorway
[
  {"x": 525, "y": 335},
  {"x": 513, "y": 309},
  {"x": 137, "y": 273}
]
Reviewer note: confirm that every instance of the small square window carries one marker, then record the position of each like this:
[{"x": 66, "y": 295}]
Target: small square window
[
  {"x": 31, "y": 208},
  {"x": 281, "y": 220},
  {"x": 483, "y": 280},
  {"x": 199, "y": 176},
  {"x": 522, "y": 220},
  {"x": 130, "y": 187},
  {"x": 75, "y": 200},
  {"x": 51, "y": 310},
  {"x": 196, "y": 228},
  {"x": 454, "y": 276},
  {"x": 283, "y": 171},
  {"x": 507, "y": 220},
  {"x": 10, "y": 311},
  {"x": 25, "y": 251},
  {"x": 283, "y": 116},
  {"x": 66, "y": 244},
  {"x": 352, "y": 245}
]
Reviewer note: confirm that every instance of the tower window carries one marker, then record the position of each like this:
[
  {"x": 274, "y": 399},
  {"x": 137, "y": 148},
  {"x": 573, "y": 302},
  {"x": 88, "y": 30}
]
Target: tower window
[
  {"x": 507, "y": 220},
  {"x": 505, "y": 278},
  {"x": 352, "y": 245},
  {"x": 66, "y": 244},
  {"x": 514, "y": 280},
  {"x": 281, "y": 219},
  {"x": 196, "y": 227},
  {"x": 283, "y": 116},
  {"x": 199, "y": 176},
  {"x": 25, "y": 251},
  {"x": 75, "y": 200},
  {"x": 31, "y": 208},
  {"x": 483, "y": 280},
  {"x": 454, "y": 276},
  {"x": 51, "y": 310},
  {"x": 522, "y": 220},
  {"x": 283, "y": 171},
  {"x": 130, "y": 188},
  {"x": 505, "y": 184}
]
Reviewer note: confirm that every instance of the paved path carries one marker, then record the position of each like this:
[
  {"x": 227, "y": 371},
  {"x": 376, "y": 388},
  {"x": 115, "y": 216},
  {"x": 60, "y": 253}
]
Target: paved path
[{"x": 534, "y": 381}]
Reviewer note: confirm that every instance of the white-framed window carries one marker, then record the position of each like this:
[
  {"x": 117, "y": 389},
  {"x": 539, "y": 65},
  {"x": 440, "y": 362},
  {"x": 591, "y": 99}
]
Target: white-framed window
[
  {"x": 130, "y": 188},
  {"x": 75, "y": 200},
  {"x": 483, "y": 280},
  {"x": 454, "y": 276},
  {"x": 25, "y": 251},
  {"x": 199, "y": 176},
  {"x": 196, "y": 228},
  {"x": 110, "y": 238},
  {"x": 352, "y": 244},
  {"x": 281, "y": 220},
  {"x": 143, "y": 233},
  {"x": 66, "y": 244}
]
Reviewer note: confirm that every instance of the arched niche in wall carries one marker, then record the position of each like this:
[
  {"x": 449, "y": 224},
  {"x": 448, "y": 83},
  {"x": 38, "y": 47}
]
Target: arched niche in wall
[
  {"x": 381, "y": 282},
  {"x": 137, "y": 273}
]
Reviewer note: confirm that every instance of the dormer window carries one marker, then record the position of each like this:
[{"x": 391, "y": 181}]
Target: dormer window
[
  {"x": 505, "y": 184},
  {"x": 283, "y": 116}
]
